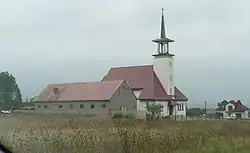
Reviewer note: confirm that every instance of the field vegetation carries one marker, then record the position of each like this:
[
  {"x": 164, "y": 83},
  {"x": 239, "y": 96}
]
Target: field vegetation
[{"x": 29, "y": 133}]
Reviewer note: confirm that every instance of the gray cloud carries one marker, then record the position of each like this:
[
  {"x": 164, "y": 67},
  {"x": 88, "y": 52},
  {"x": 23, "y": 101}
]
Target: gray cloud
[{"x": 46, "y": 41}]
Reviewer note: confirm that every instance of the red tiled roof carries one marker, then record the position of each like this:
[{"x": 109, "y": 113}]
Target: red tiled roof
[
  {"x": 239, "y": 107},
  {"x": 143, "y": 77},
  {"x": 80, "y": 91}
]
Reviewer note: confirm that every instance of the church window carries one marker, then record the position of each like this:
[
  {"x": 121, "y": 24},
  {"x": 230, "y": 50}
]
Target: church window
[
  {"x": 103, "y": 105},
  {"x": 180, "y": 107},
  {"x": 170, "y": 91},
  {"x": 170, "y": 64}
]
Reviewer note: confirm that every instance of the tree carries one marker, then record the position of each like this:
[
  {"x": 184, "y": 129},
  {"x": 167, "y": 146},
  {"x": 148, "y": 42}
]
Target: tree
[
  {"x": 154, "y": 110},
  {"x": 195, "y": 111},
  {"x": 10, "y": 94}
]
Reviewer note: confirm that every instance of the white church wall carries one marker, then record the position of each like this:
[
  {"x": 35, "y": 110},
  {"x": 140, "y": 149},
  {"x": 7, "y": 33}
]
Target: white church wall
[
  {"x": 137, "y": 93},
  {"x": 181, "y": 108},
  {"x": 163, "y": 67},
  {"x": 246, "y": 114}
]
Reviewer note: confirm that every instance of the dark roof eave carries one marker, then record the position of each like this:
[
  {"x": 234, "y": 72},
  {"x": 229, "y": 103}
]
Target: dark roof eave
[
  {"x": 59, "y": 101},
  {"x": 162, "y": 40},
  {"x": 239, "y": 111},
  {"x": 163, "y": 54},
  {"x": 153, "y": 99},
  {"x": 220, "y": 109},
  {"x": 137, "y": 88},
  {"x": 163, "y": 99},
  {"x": 242, "y": 110}
]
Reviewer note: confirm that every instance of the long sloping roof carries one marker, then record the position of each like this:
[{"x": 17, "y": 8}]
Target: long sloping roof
[
  {"x": 83, "y": 91},
  {"x": 143, "y": 77}
]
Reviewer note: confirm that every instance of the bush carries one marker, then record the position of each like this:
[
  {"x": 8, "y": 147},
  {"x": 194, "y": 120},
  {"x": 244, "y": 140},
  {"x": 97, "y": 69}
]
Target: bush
[{"x": 117, "y": 115}]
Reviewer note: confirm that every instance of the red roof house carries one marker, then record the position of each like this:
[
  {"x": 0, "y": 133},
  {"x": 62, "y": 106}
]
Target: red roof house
[
  {"x": 228, "y": 108},
  {"x": 93, "y": 98},
  {"x": 80, "y": 91}
]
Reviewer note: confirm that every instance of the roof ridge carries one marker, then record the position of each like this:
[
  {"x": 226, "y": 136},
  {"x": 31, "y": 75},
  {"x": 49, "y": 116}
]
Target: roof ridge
[
  {"x": 131, "y": 66},
  {"x": 69, "y": 83}
]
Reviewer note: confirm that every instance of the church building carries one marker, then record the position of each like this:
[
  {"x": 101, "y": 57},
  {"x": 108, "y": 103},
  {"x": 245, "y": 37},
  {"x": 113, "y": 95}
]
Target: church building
[
  {"x": 154, "y": 83},
  {"x": 123, "y": 89}
]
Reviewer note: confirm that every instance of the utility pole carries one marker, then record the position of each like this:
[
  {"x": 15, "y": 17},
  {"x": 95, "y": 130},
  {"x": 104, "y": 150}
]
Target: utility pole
[{"x": 205, "y": 108}]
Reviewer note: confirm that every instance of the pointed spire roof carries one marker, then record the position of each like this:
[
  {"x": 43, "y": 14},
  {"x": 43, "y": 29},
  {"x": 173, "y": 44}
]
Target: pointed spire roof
[
  {"x": 163, "y": 39},
  {"x": 163, "y": 33}
]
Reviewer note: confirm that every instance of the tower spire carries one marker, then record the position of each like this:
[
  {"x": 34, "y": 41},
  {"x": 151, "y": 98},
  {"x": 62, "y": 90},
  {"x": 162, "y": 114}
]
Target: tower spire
[
  {"x": 163, "y": 34},
  {"x": 163, "y": 41}
]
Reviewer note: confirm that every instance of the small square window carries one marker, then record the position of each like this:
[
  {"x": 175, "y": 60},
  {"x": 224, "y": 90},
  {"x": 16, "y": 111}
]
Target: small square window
[
  {"x": 45, "y": 106},
  {"x": 71, "y": 106},
  {"x": 81, "y": 106},
  {"x": 103, "y": 105},
  {"x": 60, "y": 106},
  {"x": 38, "y": 106},
  {"x": 92, "y": 106}
]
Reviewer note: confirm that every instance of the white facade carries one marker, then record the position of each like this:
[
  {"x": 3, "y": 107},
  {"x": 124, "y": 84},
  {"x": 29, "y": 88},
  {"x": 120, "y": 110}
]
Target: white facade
[
  {"x": 137, "y": 93},
  {"x": 178, "y": 110},
  {"x": 227, "y": 113},
  {"x": 244, "y": 115},
  {"x": 163, "y": 67},
  {"x": 142, "y": 105},
  {"x": 181, "y": 108}
]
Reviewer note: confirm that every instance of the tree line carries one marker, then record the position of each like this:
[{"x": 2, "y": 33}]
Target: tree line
[{"x": 10, "y": 94}]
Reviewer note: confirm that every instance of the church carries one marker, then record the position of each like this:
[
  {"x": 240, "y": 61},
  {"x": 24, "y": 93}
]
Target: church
[{"x": 123, "y": 89}]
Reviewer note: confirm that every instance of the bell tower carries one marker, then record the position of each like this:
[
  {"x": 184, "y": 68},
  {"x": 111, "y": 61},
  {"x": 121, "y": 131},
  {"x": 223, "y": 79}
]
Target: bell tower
[{"x": 163, "y": 60}]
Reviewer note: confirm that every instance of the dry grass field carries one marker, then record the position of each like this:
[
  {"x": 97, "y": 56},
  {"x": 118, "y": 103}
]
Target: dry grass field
[{"x": 29, "y": 133}]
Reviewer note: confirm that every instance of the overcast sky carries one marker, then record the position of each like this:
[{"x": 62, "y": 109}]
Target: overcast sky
[{"x": 54, "y": 41}]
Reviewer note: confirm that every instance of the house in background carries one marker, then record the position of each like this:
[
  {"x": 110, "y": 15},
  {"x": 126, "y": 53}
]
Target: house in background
[
  {"x": 232, "y": 108},
  {"x": 90, "y": 98},
  {"x": 154, "y": 83}
]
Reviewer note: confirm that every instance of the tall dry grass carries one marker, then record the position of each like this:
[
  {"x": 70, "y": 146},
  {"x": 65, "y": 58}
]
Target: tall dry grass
[{"x": 66, "y": 134}]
